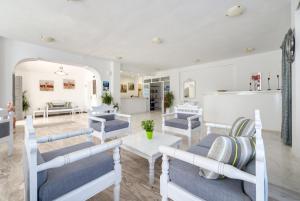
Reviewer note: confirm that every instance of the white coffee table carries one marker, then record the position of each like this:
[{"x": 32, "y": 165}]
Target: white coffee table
[{"x": 139, "y": 144}]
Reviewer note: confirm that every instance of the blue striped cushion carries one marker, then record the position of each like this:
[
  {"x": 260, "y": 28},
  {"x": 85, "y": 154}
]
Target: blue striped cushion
[
  {"x": 243, "y": 127},
  {"x": 236, "y": 151}
]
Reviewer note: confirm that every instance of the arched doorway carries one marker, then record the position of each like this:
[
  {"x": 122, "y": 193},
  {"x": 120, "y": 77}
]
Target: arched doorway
[{"x": 46, "y": 82}]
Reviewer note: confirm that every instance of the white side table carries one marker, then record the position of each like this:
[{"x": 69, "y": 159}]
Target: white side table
[
  {"x": 139, "y": 144},
  {"x": 39, "y": 111}
]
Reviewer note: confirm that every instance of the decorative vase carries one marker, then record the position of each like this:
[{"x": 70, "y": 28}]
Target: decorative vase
[{"x": 149, "y": 135}]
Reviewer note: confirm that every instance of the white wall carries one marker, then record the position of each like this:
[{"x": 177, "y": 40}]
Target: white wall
[
  {"x": 232, "y": 74},
  {"x": 296, "y": 81},
  {"x": 13, "y": 52},
  {"x": 80, "y": 96}
]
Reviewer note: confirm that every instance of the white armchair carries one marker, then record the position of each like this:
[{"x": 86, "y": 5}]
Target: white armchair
[
  {"x": 109, "y": 125},
  {"x": 185, "y": 120},
  {"x": 6, "y": 129},
  {"x": 72, "y": 173},
  {"x": 180, "y": 179}
]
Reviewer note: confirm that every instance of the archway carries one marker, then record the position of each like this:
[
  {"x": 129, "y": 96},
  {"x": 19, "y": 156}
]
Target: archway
[{"x": 81, "y": 85}]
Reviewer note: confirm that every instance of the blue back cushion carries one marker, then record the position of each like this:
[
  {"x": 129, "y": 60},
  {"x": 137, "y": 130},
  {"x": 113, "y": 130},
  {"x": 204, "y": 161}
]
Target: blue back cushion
[
  {"x": 42, "y": 176},
  {"x": 185, "y": 116},
  {"x": 108, "y": 117}
]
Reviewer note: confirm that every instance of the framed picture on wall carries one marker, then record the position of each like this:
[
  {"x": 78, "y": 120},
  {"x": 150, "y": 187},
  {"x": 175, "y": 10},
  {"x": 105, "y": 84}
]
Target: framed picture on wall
[
  {"x": 130, "y": 86},
  {"x": 46, "y": 85},
  {"x": 123, "y": 88},
  {"x": 69, "y": 84},
  {"x": 105, "y": 85}
]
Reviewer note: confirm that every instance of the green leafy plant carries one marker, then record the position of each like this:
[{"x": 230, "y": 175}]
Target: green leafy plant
[
  {"x": 25, "y": 102},
  {"x": 169, "y": 99},
  {"x": 107, "y": 98},
  {"x": 148, "y": 125}
]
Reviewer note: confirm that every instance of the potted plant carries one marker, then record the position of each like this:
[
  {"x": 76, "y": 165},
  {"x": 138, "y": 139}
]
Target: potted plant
[
  {"x": 148, "y": 126},
  {"x": 25, "y": 102},
  {"x": 168, "y": 100},
  {"x": 107, "y": 98}
]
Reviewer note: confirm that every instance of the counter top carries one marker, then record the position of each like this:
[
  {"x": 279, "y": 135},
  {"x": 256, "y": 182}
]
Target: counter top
[{"x": 243, "y": 92}]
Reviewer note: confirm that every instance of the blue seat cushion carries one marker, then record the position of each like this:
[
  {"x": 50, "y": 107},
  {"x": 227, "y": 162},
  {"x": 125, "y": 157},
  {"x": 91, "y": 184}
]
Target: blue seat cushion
[
  {"x": 208, "y": 140},
  {"x": 185, "y": 116},
  {"x": 69, "y": 177},
  {"x": 109, "y": 125},
  {"x": 181, "y": 123},
  {"x": 250, "y": 188},
  {"x": 4, "y": 129},
  {"x": 187, "y": 177}
]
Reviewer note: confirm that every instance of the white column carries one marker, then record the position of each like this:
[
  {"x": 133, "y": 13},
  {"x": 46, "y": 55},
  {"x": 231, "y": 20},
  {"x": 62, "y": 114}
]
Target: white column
[{"x": 115, "y": 81}]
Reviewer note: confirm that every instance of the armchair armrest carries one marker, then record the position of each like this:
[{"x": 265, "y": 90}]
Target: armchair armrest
[
  {"x": 214, "y": 125},
  {"x": 78, "y": 155},
  {"x": 206, "y": 163},
  {"x": 51, "y": 138},
  {"x": 194, "y": 117},
  {"x": 97, "y": 119}
]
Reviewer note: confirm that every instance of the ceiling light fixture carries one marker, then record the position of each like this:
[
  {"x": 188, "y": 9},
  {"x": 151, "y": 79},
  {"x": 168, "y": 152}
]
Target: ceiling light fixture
[
  {"x": 249, "y": 49},
  {"x": 61, "y": 71},
  {"x": 157, "y": 40},
  {"x": 235, "y": 11},
  {"x": 47, "y": 39},
  {"x": 119, "y": 57}
]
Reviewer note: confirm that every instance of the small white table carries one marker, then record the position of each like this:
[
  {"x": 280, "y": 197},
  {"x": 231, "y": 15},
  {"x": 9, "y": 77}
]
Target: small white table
[
  {"x": 139, "y": 144},
  {"x": 39, "y": 111}
]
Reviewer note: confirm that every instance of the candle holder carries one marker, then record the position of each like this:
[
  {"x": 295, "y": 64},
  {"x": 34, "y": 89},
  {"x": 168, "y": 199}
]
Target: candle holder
[
  {"x": 250, "y": 86},
  {"x": 269, "y": 88},
  {"x": 278, "y": 88}
]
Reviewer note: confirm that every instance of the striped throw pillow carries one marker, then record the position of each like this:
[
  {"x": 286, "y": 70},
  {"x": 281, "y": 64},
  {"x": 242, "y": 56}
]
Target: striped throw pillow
[
  {"x": 236, "y": 151},
  {"x": 243, "y": 127}
]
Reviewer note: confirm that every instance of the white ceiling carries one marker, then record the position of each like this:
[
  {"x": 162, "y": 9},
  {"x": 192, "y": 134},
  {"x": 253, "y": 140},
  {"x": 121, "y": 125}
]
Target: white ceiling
[
  {"x": 49, "y": 68},
  {"x": 190, "y": 29}
]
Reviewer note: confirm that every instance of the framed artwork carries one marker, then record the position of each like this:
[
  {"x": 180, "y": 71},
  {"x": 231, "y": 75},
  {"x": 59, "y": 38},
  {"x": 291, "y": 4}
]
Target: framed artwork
[
  {"x": 130, "y": 86},
  {"x": 105, "y": 85},
  {"x": 46, "y": 85},
  {"x": 123, "y": 88},
  {"x": 69, "y": 84}
]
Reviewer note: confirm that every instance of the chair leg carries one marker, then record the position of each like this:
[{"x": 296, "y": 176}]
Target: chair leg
[
  {"x": 102, "y": 138},
  {"x": 117, "y": 192},
  {"x": 190, "y": 141},
  {"x": 10, "y": 145}
]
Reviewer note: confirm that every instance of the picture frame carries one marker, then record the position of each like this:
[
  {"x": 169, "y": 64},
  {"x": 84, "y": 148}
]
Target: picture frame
[
  {"x": 46, "y": 85},
  {"x": 69, "y": 84}
]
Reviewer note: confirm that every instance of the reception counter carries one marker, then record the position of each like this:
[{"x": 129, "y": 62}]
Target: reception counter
[
  {"x": 134, "y": 105},
  {"x": 224, "y": 107}
]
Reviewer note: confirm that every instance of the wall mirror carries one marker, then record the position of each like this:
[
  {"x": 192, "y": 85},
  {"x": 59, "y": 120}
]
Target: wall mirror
[{"x": 189, "y": 89}]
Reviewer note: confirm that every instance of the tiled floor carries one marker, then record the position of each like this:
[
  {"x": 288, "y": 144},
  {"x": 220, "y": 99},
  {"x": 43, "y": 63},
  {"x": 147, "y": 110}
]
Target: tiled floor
[{"x": 283, "y": 167}]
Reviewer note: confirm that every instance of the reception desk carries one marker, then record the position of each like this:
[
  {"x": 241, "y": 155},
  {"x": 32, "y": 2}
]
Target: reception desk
[
  {"x": 134, "y": 105},
  {"x": 225, "y": 107}
]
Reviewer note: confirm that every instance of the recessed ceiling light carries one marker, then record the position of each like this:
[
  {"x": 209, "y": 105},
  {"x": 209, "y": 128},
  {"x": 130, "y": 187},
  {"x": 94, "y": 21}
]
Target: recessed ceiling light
[
  {"x": 157, "y": 40},
  {"x": 235, "y": 11},
  {"x": 47, "y": 39},
  {"x": 249, "y": 49},
  {"x": 119, "y": 57}
]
